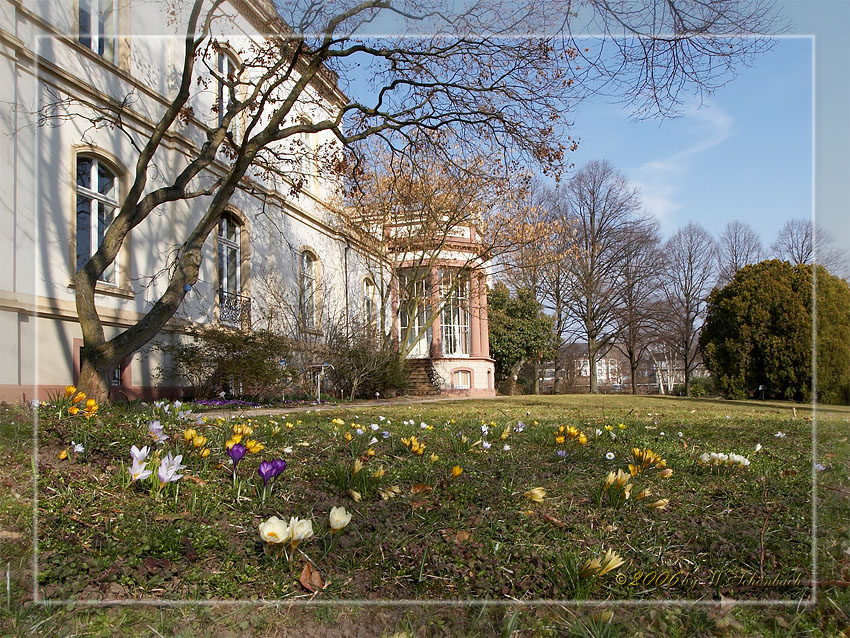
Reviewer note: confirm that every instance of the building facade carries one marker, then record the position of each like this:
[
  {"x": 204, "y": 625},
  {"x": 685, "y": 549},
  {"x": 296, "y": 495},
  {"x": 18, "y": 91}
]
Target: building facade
[
  {"x": 277, "y": 258},
  {"x": 64, "y": 174}
]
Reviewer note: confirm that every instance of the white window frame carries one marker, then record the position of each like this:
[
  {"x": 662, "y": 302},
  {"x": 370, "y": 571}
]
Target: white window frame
[
  {"x": 225, "y": 66},
  {"x": 97, "y": 203},
  {"x": 421, "y": 291},
  {"x": 226, "y": 282},
  {"x": 454, "y": 320},
  {"x": 457, "y": 375},
  {"x": 370, "y": 316},
  {"x": 99, "y": 27},
  {"x": 307, "y": 288}
]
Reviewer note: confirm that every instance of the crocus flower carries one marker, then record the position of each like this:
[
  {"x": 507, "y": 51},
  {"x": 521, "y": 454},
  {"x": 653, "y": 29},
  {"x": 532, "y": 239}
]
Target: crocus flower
[
  {"x": 266, "y": 472},
  {"x": 199, "y": 440},
  {"x": 356, "y": 467},
  {"x": 299, "y": 530},
  {"x": 77, "y": 447},
  {"x": 274, "y": 531},
  {"x": 385, "y": 434},
  {"x": 155, "y": 431},
  {"x": 168, "y": 468},
  {"x": 236, "y": 452},
  {"x": 667, "y": 473},
  {"x": 562, "y": 453},
  {"x": 63, "y": 455},
  {"x": 660, "y": 504},
  {"x": 189, "y": 434},
  {"x": 485, "y": 445},
  {"x": 457, "y": 470},
  {"x": 758, "y": 447},
  {"x": 69, "y": 391},
  {"x": 139, "y": 455},
  {"x": 355, "y": 495},
  {"x": 279, "y": 466},
  {"x": 374, "y": 427},
  {"x": 610, "y": 561},
  {"x": 138, "y": 471},
  {"x": 339, "y": 518},
  {"x": 536, "y": 494},
  {"x": 79, "y": 397}
]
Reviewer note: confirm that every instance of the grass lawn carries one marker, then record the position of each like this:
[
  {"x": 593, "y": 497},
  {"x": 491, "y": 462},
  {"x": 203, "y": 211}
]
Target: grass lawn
[{"x": 425, "y": 532}]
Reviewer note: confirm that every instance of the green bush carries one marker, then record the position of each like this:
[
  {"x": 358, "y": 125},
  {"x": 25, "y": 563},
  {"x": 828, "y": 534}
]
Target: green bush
[
  {"x": 217, "y": 359},
  {"x": 758, "y": 332}
]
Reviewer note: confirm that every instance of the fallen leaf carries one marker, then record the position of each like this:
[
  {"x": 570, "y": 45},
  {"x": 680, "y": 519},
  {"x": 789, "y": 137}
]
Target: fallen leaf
[
  {"x": 458, "y": 537},
  {"x": 189, "y": 549},
  {"x": 8, "y": 535},
  {"x": 171, "y": 517},
  {"x": 428, "y": 506},
  {"x": 310, "y": 578},
  {"x": 554, "y": 520},
  {"x": 195, "y": 479},
  {"x": 420, "y": 488},
  {"x": 789, "y": 472}
]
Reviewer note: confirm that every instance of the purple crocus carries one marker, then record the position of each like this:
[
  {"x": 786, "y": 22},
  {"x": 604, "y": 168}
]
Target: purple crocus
[
  {"x": 236, "y": 452},
  {"x": 266, "y": 472},
  {"x": 279, "y": 466}
]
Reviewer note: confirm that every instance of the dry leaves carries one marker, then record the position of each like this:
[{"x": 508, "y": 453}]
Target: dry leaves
[{"x": 310, "y": 578}]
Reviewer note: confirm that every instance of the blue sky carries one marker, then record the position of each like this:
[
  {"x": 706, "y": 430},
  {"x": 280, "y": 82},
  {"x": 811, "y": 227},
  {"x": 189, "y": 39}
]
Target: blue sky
[{"x": 744, "y": 153}]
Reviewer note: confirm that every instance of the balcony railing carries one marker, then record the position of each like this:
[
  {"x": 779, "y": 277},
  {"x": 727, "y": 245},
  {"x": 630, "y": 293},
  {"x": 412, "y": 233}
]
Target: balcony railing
[{"x": 234, "y": 310}]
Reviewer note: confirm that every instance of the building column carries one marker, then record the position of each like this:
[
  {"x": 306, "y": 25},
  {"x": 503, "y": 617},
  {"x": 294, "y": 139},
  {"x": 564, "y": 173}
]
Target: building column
[
  {"x": 484, "y": 329},
  {"x": 436, "y": 351}
]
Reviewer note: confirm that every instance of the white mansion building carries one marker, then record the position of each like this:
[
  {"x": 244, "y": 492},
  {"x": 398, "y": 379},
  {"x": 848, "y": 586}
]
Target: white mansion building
[{"x": 62, "y": 179}]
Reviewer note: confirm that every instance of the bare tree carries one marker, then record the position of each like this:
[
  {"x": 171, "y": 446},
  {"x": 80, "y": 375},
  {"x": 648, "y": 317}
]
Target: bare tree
[
  {"x": 493, "y": 92},
  {"x": 799, "y": 241},
  {"x": 638, "y": 287},
  {"x": 604, "y": 209},
  {"x": 690, "y": 262},
  {"x": 739, "y": 245}
]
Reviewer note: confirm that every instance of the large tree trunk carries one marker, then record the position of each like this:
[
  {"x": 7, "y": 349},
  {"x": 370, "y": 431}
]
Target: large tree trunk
[
  {"x": 634, "y": 367},
  {"x": 591, "y": 357},
  {"x": 515, "y": 368},
  {"x": 94, "y": 378},
  {"x": 536, "y": 387}
]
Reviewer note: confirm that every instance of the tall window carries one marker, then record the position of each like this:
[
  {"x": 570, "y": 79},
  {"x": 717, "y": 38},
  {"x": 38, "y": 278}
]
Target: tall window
[
  {"x": 305, "y": 158},
  {"x": 227, "y": 69},
  {"x": 228, "y": 255},
  {"x": 369, "y": 293},
  {"x": 455, "y": 316},
  {"x": 97, "y": 20},
  {"x": 308, "y": 290},
  {"x": 413, "y": 312},
  {"x": 97, "y": 201}
]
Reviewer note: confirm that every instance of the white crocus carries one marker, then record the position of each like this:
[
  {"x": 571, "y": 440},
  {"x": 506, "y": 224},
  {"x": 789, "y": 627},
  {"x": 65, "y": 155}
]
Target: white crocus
[
  {"x": 274, "y": 531},
  {"x": 339, "y": 518},
  {"x": 299, "y": 530},
  {"x": 138, "y": 471},
  {"x": 139, "y": 455}
]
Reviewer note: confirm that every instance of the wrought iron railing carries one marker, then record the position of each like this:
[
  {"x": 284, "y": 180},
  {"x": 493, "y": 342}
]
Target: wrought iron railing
[{"x": 234, "y": 310}]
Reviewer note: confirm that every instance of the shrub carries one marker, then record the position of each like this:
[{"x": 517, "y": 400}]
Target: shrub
[{"x": 218, "y": 359}]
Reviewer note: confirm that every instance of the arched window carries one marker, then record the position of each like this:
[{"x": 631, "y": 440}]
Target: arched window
[
  {"x": 97, "y": 201},
  {"x": 461, "y": 380},
  {"x": 232, "y": 305},
  {"x": 308, "y": 288},
  {"x": 97, "y": 27},
  {"x": 370, "y": 314}
]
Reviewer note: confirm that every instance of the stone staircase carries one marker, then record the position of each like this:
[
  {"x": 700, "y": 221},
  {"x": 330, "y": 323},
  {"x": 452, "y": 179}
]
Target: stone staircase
[{"x": 423, "y": 378}]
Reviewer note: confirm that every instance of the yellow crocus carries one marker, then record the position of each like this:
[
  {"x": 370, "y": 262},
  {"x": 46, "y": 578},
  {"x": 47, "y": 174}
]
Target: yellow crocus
[
  {"x": 63, "y": 455},
  {"x": 199, "y": 440},
  {"x": 356, "y": 467},
  {"x": 536, "y": 494},
  {"x": 379, "y": 473},
  {"x": 73, "y": 410},
  {"x": 69, "y": 390},
  {"x": 79, "y": 397},
  {"x": 457, "y": 470},
  {"x": 433, "y": 458},
  {"x": 204, "y": 453},
  {"x": 189, "y": 434}
]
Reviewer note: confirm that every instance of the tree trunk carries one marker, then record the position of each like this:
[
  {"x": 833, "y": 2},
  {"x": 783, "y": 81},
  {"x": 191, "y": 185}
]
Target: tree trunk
[
  {"x": 556, "y": 382},
  {"x": 536, "y": 387},
  {"x": 591, "y": 357},
  {"x": 95, "y": 378},
  {"x": 515, "y": 368},
  {"x": 634, "y": 367}
]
